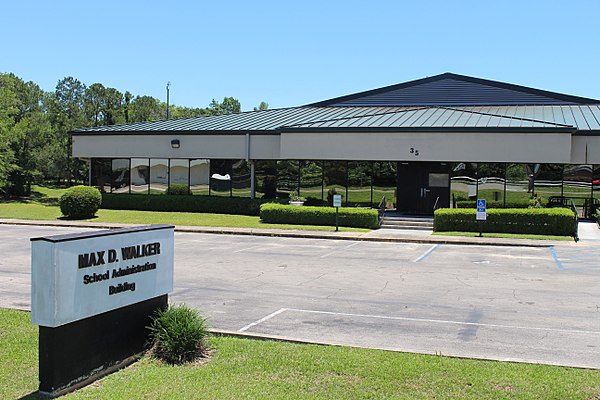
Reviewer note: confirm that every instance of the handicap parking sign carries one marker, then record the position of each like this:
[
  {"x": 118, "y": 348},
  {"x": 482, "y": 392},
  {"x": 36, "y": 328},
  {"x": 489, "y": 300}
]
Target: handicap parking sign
[{"x": 481, "y": 214}]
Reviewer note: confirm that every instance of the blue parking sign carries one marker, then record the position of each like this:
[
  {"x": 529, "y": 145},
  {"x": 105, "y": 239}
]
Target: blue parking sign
[{"x": 481, "y": 205}]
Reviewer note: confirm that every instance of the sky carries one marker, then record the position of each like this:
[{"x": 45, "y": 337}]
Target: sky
[{"x": 290, "y": 53}]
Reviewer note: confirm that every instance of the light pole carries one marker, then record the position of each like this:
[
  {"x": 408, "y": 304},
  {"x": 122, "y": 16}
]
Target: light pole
[{"x": 168, "y": 84}]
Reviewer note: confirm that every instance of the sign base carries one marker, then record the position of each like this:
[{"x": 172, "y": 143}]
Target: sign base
[{"x": 78, "y": 353}]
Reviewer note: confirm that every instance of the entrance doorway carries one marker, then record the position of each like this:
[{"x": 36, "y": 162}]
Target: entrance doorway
[{"x": 422, "y": 186}]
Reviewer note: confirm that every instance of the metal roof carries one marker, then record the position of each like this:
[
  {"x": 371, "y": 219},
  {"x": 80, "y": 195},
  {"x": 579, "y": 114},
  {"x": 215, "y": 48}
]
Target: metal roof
[
  {"x": 576, "y": 117},
  {"x": 454, "y": 90}
]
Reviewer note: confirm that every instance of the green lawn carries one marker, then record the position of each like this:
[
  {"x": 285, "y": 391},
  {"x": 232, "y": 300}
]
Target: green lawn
[{"x": 254, "y": 369}]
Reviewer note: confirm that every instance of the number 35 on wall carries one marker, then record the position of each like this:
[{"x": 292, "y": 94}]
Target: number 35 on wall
[{"x": 414, "y": 151}]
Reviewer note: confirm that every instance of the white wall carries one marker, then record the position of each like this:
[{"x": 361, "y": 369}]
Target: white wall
[
  {"x": 262, "y": 147},
  {"x": 431, "y": 146},
  {"x": 585, "y": 150}
]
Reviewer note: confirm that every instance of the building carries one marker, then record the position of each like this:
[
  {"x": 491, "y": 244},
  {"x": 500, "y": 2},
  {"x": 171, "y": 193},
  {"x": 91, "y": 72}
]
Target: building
[{"x": 417, "y": 146}]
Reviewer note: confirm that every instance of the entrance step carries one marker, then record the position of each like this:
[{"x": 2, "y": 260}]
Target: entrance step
[{"x": 395, "y": 221}]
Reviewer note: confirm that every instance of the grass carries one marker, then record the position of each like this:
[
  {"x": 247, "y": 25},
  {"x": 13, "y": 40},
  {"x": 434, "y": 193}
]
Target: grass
[
  {"x": 253, "y": 369},
  {"x": 503, "y": 235},
  {"x": 42, "y": 205}
]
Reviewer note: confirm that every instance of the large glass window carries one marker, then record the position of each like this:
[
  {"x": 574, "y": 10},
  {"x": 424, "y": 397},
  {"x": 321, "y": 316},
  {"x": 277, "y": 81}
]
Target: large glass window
[
  {"x": 288, "y": 177},
  {"x": 335, "y": 175},
  {"x": 241, "y": 178},
  {"x": 385, "y": 180},
  {"x": 359, "y": 183},
  {"x": 159, "y": 175},
  {"x": 518, "y": 182},
  {"x": 101, "y": 174},
  {"x": 463, "y": 182},
  {"x": 547, "y": 180},
  {"x": 179, "y": 172},
  {"x": 120, "y": 175},
  {"x": 311, "y": 181},
  {"x": 140, "y": 175},
  {"x": 577, "y": 185},
  {"x": 265, "y": 177},
  {"x": 199, "y": 176},
  {"x": 220, "y": 177},
  {"x": 491, "y": 182}
]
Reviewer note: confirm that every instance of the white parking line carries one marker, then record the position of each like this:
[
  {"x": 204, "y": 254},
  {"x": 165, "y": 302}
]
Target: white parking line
[
  {"x": 245, "y": 328},
  {"x": 338, "y": 250},
  {"x": 427, "y": 253},
  {"x": 441, "y": 321}
]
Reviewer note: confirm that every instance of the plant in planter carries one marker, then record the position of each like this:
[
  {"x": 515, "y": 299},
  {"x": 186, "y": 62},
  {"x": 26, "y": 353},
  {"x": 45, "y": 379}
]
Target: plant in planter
[{"x": 296, "y": 200}]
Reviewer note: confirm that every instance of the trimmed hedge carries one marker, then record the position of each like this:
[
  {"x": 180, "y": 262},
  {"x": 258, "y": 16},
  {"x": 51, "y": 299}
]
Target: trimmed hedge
[
  {"x": 80, "y": 202},
  {"x": 491, "y": 204},
  {"x": 183, "y": 203},
  {"x": 536, "y": 221},
  {"x": 306, "y": 215}
]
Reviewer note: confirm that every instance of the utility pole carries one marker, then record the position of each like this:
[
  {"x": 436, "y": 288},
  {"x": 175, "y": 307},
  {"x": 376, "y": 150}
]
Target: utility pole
[{"x": 168, "y": 84}]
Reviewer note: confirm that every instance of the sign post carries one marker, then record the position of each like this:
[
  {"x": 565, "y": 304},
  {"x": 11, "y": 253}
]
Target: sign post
[
  {"x": 93, "y": 295},
  {"x": 337, "y": 203},
  {"x": 481, "y": 214}
]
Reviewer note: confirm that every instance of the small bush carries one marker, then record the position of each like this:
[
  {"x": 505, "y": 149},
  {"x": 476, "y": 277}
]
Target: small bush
[
  {"x": 536, "y": 221},
  {"x": 179, "y": 335},
  {"x": 285, "y": 214},
  {"x": 178, "y": 189},
  {"x": 80, "y": 202}
]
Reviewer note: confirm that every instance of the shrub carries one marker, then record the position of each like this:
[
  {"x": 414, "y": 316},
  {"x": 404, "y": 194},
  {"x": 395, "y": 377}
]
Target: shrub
[
  {"x": 285, "y": 214},
  {"x": 492, "y": 204},
  {"x": 538, "y": 221},
  {"x": 178, "y": 189},
  {"x": 178, "y": 334},
  {"x": 181, "y": 203},
  {"x": 80, "y": 202}
]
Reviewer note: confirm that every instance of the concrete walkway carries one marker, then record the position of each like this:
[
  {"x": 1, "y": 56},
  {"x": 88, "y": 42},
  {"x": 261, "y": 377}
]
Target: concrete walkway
[{"x": 588, "y": 232}]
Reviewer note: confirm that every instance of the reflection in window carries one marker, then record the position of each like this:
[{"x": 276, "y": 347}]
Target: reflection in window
[
  {"x": 577, "y": 184},
  {"x": 120, "y": 175},
  {"x": 101, "y": 173},
  {"x": 335, "y": 176},
  {"x": 359, "y": 183},
  {"x": 159, "y": 175},
  {"x": 199, "y": 176},
  {"x": 288, "y": 176},
  {"x": 220, "y": 177},
  {"x": 241, "y": 178},
  {"x": 179, "y": 173},
  {"x": 463, "y": 183},
  {"x": 385, "y": 179},
  {"x": 140, "y": 175},
  {"x": 311, "y": 181},
  {"x": 518, "y": 190},
  {"x": 265, "y": 176},
  {"x": 491, "y": 181},
  {"x": 546, "y": 179}
]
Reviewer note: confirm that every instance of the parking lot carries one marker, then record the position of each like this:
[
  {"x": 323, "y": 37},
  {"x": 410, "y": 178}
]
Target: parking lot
[{"x": 505, "y": 303}]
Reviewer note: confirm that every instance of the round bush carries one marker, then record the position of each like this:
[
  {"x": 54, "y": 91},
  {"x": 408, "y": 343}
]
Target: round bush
[
  {"x": 80, "y": 202},
  {"x": 178, "y": 189},
  {"x": 179, "y": 334}
]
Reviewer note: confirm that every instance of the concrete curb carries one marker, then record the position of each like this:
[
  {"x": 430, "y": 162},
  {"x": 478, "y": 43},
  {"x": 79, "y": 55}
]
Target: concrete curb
[{"x": 372, "y": 236}]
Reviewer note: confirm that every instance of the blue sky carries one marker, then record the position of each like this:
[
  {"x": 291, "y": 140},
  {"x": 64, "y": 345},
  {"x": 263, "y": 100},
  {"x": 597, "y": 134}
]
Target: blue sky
[{"x": 292, "y": 53}]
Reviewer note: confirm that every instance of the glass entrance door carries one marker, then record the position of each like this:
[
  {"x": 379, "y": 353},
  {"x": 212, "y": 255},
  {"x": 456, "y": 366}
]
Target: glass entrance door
[{"x": 422, "y": 187}]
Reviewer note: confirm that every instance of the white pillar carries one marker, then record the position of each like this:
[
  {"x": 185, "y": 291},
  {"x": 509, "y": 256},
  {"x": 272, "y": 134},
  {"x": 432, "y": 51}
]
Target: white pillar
[{"x": 252, "y": 186}]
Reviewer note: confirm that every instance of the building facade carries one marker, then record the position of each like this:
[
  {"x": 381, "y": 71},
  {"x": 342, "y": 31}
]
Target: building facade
[{"x": 414, "y": 146}]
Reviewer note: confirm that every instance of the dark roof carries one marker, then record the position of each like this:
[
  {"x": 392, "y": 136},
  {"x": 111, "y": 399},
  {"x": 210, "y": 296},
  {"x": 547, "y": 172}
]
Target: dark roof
[
  {"x": 454, "y": 90},
  {"x": 447, "y": 102}
]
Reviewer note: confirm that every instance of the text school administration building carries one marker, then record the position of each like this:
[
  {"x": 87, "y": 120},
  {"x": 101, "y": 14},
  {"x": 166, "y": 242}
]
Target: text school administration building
[{"x": 418, "y": 144}]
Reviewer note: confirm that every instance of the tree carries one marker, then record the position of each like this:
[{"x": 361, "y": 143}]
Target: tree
[
  {"x": 262, "y": 106},
  {"x": 228, "y": 106},
  {"x": 94, "y": 97},
  {"x": 145, "y": 108}
]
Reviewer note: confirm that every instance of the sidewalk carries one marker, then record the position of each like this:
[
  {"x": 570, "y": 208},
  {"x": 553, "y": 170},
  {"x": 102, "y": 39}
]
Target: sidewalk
[{"x": 380, "y": 235}]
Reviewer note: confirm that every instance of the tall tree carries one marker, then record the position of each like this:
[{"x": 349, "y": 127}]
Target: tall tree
[
  {"x": 228, "y": 106},
  {"x": 262, "y": 106}
]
